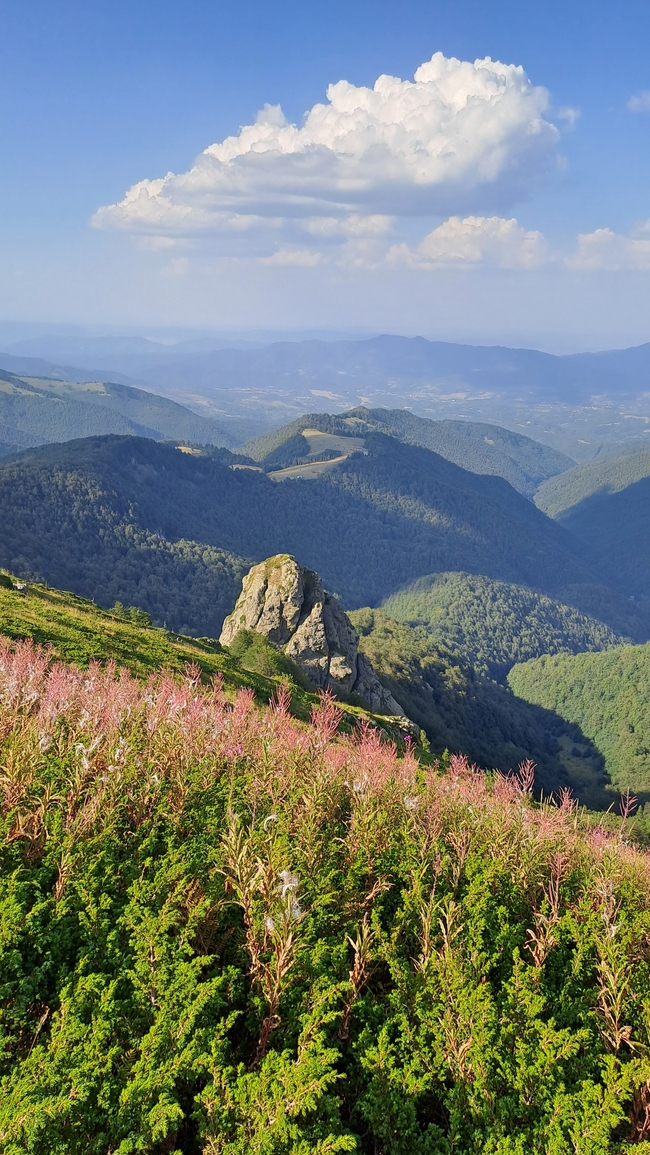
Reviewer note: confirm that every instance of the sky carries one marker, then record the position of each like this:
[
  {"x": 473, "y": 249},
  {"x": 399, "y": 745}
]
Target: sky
[{"x": 470, "y": 171}]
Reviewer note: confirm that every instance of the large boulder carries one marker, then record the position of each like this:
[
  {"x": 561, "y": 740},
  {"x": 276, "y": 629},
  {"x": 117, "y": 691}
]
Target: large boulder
[{"x": 288, "y": 604}]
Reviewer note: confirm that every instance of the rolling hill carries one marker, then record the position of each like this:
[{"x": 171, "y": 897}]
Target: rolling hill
[
  {"x": 608, "y": 696},
  {"x": 491, "y": 625},
  {"x": 135, "y": 520},
  {"x": 476, "y": 446},
  {"x": 37, "y": 411},
  {"x": 558, "y": 496}
]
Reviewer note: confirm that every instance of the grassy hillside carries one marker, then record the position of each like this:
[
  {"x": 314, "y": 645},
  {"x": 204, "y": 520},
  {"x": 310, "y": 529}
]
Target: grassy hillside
[
  {"x": 36, "y": 411},
  {"x": 76, "y": 631},
  {"x": 608, "y": 696},
  {"x": 491, "y": 625},
  {"x": 463, "y": 710},
  {"x": 485, "y": 449},
  {"x": 227, "y": 932},
  {"x": 79, "y": 632},
  {"x": 129, "y": 519}
]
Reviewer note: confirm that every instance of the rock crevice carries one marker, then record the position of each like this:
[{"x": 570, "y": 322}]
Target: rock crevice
[{"x": 288, "y": 605}]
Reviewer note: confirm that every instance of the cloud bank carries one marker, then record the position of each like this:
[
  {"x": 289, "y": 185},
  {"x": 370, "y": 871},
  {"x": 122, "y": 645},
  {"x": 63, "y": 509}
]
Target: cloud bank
[{"x": 460, "y": 137}]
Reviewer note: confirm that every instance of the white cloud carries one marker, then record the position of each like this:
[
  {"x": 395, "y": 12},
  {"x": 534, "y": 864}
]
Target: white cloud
[
  {"x": 605, "y": 249},
  {"x": 471, "y": 241},
  {"x": 300, "y": 257},
  {"x": 570, "y": 115},
  {"x": 459, "y": 137},
  {"x": 640, "y": 103}
]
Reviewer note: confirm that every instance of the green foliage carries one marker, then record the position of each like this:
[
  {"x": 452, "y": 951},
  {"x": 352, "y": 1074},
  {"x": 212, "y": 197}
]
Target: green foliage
[
  {"x": 227, "y": 933},
  {"x": 608, "y": 696},
  {"x": 462, "y": 710},
  {"x": 610, "y": 473},
  {"x": 491, "y": 625},
  {"x": 37, "y": 410},
  {"x": 255, "y": 652}
]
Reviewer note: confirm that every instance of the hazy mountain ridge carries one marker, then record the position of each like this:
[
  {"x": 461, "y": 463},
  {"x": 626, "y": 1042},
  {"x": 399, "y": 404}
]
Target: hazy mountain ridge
[
  {"x": 37, "y": 410},
  {"x": 575, "y": 403}
]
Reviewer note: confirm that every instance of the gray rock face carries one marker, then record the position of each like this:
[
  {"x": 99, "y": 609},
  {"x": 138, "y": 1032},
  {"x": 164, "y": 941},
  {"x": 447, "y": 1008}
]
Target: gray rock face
[{"x": 289, "y": 606}]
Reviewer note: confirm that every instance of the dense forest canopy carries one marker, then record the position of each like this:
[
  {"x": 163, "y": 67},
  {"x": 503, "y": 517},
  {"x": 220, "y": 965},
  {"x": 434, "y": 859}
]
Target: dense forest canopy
[
  {"x": 609, "y": 473},
  {"x": 491, "y": 624},
  {"x": 608, "y": 696},
  {"x": 463, "y": 710},
  {"x": 131, "y": 520}
]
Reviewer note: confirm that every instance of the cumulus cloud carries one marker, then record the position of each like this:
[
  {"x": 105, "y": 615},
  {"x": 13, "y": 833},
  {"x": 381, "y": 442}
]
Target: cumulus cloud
[
  {"x": 605, "y": 249},
  {"x": 471, "y": 241},
  {"x": 640, "y": 103},
  {"x": 460, "y": 136}
]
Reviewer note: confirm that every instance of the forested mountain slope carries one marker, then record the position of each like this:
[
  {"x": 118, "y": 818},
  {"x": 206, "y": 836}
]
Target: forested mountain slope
[
  {"x": 611, "y": 473},
  {"x": 134, "y": 520},
  {"x": 608, "y": 696},
  {"x": 474, "y": 445},
  {"x": 491, "y": 624},
  {"x": 605, "y": 505},
  {"x": 36, "y": 411},
  {"x": 463, "y": 710},
  {"x": 479, "y": 447}
]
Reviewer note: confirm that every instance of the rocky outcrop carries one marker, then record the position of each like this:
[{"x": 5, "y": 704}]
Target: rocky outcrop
[{"x": 289, "y": 606}]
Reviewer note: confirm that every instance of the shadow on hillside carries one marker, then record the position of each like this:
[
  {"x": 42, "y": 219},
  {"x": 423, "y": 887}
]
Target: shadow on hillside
[{"x": 498, "y": 731}]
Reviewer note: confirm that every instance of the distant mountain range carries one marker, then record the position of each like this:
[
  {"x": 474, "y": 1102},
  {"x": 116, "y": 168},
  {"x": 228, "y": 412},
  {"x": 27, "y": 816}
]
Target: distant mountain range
[{"x": 576, "y": 403}]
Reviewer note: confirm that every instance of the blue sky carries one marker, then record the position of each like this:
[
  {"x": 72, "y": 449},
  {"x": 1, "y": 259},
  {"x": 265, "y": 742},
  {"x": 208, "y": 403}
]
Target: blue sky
[{"x": 97, "y": 97}]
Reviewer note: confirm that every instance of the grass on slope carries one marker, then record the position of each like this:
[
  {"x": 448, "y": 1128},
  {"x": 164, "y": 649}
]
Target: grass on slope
[
  {"x": 78, "y": 632},
  {"x": 608, "y": 696},
  {"x": 491, "y": 625},
  {"x": 607, "y": 474},
  {"x": 464, "y": 711}
]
